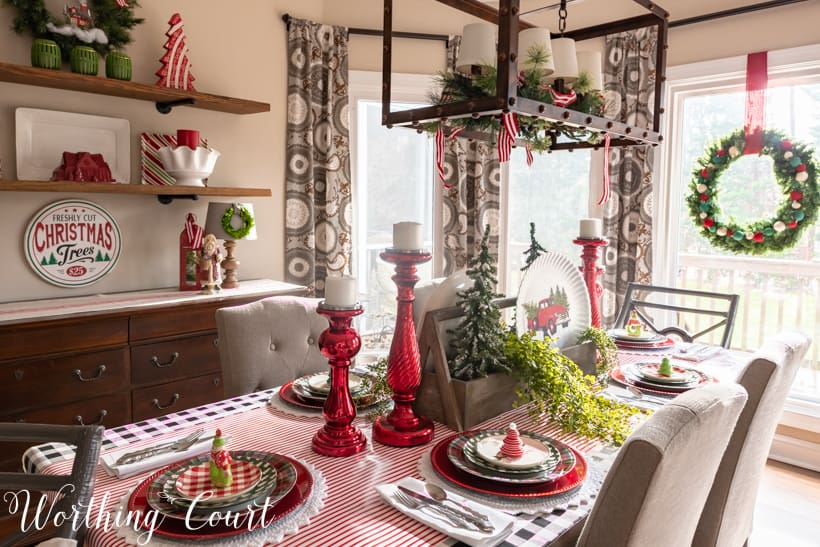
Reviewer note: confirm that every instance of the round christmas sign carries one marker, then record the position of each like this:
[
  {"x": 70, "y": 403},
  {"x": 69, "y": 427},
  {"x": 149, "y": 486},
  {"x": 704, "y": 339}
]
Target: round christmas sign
[{"x": 72, "y": 243}]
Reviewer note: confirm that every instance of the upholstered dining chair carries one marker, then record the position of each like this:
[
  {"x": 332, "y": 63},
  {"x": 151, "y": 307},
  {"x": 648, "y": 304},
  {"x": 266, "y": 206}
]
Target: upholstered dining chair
[
  {"x": 696, "y": 313},
  {"x": 266, "y": 343},
  {"x": 76, "y": 488},
  {"x": 655, "y": 491},
  {"x": 727, "y": 517}
]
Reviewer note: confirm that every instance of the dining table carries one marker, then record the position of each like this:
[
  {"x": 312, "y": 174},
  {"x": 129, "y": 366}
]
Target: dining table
[{"x": 343, "y": 506}]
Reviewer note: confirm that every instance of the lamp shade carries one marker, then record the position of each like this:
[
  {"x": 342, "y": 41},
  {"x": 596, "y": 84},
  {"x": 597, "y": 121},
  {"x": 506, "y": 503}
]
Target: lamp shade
[
  {"x": 564, "y": 59},
  {"x": 213, "y": 222},
  {"x": 477, "y": 47},
  {"x": 590, "y": 62},
  {"x": 538, "y": 38}
]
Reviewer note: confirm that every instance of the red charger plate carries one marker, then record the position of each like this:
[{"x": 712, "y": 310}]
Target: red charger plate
[
  {"x": 444, "y": 467},
  {"x": 289, "y": 396},
  {"x": 617, "y": 374},
  {"x": 176, "y": 529}
]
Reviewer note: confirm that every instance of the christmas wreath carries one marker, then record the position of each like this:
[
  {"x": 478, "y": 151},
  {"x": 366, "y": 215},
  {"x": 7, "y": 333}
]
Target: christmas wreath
[
  {"x": 795, "y": 171},
  {"x": 247, "y": 222},
  {"x": 115, "y": 18}
]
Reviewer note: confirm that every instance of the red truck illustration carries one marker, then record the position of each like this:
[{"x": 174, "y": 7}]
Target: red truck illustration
[{"x": 548, "y": 316}]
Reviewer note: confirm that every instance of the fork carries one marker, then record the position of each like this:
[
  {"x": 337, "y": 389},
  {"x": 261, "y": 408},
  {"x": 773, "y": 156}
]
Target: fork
[
  {"x": 178, "y": 445},
  {"x": 407, "y": 501}
]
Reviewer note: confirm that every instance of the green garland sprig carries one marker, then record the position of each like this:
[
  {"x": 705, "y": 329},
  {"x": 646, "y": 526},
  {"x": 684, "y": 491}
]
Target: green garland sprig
[
  {"x": 247, "y": 222},
  {"x": 607, "y": 353},
  {"x": 537, "y": 132},
  {"x": 796, "y": 173},
  {"x": 32, "y": 16}
]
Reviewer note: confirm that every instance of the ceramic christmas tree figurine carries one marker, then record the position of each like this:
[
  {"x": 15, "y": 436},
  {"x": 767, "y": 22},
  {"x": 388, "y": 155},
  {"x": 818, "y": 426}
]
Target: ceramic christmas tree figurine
[
  {"x": 513, "y": 447},
  {"x": 666, "y": 367},
  {"x": 634, "y": 326},
  {"x": 221, "y": 475}
]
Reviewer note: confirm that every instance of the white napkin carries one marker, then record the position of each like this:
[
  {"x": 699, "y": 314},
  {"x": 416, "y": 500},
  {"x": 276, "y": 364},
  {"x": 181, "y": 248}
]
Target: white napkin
[
  {"x": 697, "y": 354},
  {"x": 160, "y": 460},
  {"x": 502, "y": 522}
]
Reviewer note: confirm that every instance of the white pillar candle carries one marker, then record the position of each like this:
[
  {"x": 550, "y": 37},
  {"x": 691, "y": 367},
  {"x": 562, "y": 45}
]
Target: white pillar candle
[
  {"x": 341, "y": 291},
  {"x": 408, "y": 236},
  {"x": 591, "y": 228}
]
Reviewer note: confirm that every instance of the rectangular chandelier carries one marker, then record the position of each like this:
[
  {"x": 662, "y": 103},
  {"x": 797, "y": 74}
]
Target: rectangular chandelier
[{"x": 559, "y": 119}]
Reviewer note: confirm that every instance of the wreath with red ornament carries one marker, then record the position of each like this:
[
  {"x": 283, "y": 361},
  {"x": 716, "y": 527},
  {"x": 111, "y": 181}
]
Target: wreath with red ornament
[{"x": 795, "y": 171}]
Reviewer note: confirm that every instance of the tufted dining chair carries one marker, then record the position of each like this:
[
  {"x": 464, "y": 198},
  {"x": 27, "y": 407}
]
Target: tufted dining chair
[
  {"x": 727, "y": 518},
  {"x": 654, "y": 492},
  {"x": 266, "y": 343},
  {"x": 77, "y": 487}
]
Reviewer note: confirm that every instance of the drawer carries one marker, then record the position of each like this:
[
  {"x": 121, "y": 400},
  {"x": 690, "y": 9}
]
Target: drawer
[
  {"x": 45, "y": 338},
  {"x": 49, "y": 380},
  {"x": 150, "y": 402},
  {"x": 108, "y": 410},
  {"x": 174, "y": 359}
]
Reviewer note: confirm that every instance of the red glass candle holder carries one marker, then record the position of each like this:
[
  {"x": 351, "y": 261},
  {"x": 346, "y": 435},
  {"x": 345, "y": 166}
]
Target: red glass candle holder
[
  {"x": 402, "y": 427},
  {"x": 589, "y": 257},
  {"x": 339, "y": 343}
]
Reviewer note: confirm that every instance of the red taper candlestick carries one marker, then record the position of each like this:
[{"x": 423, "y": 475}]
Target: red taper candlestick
[
  {"x": 402, "y": 427},
  {"x": 339, "y": 343},
  {"x": 589, "y": 256}
]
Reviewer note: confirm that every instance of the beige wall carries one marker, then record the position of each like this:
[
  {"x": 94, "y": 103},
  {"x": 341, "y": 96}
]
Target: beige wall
[{"x": 238, "y": 49}]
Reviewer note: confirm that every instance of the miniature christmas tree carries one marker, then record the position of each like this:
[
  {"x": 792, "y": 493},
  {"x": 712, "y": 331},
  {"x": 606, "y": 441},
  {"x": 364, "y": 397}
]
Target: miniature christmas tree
[
  {"x": 534, "y": 251},
  {"x": 176, "y": 68},
  {"x": 478, "y": 341}
]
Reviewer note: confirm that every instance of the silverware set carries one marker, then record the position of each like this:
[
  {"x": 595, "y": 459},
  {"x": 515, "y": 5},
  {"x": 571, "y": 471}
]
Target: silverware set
[
  {"x": 178, "y": 445},
  {"x": 457, "y": 517}
]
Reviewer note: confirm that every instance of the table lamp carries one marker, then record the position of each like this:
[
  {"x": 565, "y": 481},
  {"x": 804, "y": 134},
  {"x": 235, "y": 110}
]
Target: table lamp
[{"x": 230, "y": 222}]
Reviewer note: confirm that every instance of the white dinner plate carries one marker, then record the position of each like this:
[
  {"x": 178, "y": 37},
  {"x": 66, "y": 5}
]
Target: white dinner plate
[
  {"x": 553, "y": 300},
  {"x": 43, "y": 135}
]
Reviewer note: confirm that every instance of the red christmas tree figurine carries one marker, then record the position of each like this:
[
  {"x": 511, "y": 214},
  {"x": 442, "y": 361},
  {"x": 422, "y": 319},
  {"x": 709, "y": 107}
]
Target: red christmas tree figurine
[{"x": 176, "y": 68}]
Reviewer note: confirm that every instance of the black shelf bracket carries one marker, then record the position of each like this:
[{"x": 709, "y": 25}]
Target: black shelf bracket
[
  {"x": 167, "y": 106},
  {"x": 165, "y": 199}
]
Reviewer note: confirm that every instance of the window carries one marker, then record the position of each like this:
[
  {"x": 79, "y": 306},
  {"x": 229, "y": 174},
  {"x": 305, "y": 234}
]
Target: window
[{"x": 780, "y": 290}]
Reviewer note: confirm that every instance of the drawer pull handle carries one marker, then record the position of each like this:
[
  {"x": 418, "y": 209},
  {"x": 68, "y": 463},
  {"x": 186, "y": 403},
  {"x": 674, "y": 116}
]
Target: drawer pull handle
[
  {"x": 103, "y": 414},
  {"x": 174, "y": 399},
  {"x": 174, "y": 357},
  {"x": 79, "y": 374}
]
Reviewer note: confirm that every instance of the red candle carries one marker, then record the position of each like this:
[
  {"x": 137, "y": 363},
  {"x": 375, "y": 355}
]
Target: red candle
[{"x": 188, "y": 137}]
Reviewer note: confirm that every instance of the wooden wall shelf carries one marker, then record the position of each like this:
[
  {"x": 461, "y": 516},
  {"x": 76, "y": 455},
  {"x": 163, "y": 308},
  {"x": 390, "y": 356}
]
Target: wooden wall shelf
[
  {"x": 166, "y": 192},
  {"x": 100, "y": 85}
]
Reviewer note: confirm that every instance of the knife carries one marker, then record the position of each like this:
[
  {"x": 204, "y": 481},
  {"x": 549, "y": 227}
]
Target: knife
[
  {"x": 150, "y": 452},
  {"x": 478, "y": 523}
]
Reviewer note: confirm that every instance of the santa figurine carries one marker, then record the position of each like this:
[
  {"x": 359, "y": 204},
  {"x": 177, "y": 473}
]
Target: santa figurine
[{"x": 221, "y": 475}]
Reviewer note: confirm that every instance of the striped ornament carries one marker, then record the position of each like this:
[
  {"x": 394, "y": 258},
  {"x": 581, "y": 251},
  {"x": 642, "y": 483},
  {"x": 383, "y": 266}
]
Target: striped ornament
[
  {"x": 507, "y": 136},
  {"x": 153, "y": 172}
]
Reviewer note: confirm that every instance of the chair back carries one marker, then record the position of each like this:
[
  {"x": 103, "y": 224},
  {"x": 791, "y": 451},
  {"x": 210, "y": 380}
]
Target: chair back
[
  {"x": 269, "y": 342},
  {"x": 655, "y": 491},
  {"x": 697, "y": 313},
  {"x": 727, "y": 517},
  {"x": 76, "y": 488}
]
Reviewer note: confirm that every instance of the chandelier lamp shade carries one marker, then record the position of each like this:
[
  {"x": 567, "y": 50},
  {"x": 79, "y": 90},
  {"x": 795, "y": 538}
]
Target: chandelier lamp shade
[{"x": 516, "y": 39}]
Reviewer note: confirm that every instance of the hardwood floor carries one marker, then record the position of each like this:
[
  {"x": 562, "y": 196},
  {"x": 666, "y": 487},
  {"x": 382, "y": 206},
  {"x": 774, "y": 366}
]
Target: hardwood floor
[{"x": 787, "y": 513}]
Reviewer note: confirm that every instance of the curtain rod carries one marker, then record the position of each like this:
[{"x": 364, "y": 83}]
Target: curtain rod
[{"x": 396, "y": 34}]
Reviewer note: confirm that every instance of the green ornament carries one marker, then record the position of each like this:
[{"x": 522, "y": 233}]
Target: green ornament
[
  {"x": 768, "y": 231},
  {"x": 118, "y": 66},
  {"x": 737, "y": 236},
  {"x": 799, "y": 215},
  {"x": 84, "y": 60},
  {"x": 795, "y": 161},
  {"x": 46, "y": 54},
  {"x": 713, "y": 228},
  {"x": 705, "y": 207}
]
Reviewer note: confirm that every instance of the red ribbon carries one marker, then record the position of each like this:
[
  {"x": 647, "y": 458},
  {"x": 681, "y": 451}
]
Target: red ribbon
[
  {"x": 122, "y": 3},
  {"x": 562, "y": 99},
  {"x": 507, "y": 136},
  {"x": 757, "y": 80},
  {"x": 193, "y": 232},
  {"x": 530, "y": 158},
  {"x": 439, "y": 148},
  {"x": 607, "y": 193}
]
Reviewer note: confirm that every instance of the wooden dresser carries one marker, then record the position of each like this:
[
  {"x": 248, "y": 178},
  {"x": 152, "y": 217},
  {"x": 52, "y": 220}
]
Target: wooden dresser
[{"x": 114, "y": 359}]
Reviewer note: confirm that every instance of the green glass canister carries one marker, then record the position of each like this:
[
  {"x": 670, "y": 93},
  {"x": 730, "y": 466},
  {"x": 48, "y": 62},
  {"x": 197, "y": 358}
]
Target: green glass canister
[
  {"x": 84, "y": 60},
  {"x": 118, "y": 66},
  {"x": 45, "y": 54}
]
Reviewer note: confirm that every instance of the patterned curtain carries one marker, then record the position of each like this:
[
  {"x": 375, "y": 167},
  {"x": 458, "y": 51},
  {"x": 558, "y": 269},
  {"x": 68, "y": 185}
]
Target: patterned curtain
[
  {"x": 318, "y": 200},
  {"x": 473, "y": 175},
  {"x": 629, "y": 74}
]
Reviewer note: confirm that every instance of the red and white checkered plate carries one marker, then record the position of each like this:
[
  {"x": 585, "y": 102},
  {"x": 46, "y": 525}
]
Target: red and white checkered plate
[{"x": 197, "y": 480}]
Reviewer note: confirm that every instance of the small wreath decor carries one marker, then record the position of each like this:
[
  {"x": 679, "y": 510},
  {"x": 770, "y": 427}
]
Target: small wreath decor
[
  {"x": 108, "y": 16},
  {"x": 247, "y": 222},
  {"x": 795, "y": 171}
]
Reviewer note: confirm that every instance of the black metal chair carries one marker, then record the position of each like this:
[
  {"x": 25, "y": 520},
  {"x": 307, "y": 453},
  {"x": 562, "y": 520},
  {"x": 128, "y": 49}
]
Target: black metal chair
[
  {"x": 76, "y": 489},
  {"x": 691, "y": 307}
]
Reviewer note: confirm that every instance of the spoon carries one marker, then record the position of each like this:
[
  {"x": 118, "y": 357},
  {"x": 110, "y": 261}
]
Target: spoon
[
  {"x": 638, "y": 394},
  {"x": 439, "y": 494}
]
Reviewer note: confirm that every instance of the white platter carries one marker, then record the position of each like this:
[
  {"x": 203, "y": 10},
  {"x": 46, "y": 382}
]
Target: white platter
[
  {"x": 562, "y": 316},
  {"x": 43, "y": 136}
]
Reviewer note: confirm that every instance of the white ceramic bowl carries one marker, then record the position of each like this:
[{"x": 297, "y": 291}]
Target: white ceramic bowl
[{"x": 188, "y": 166}]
